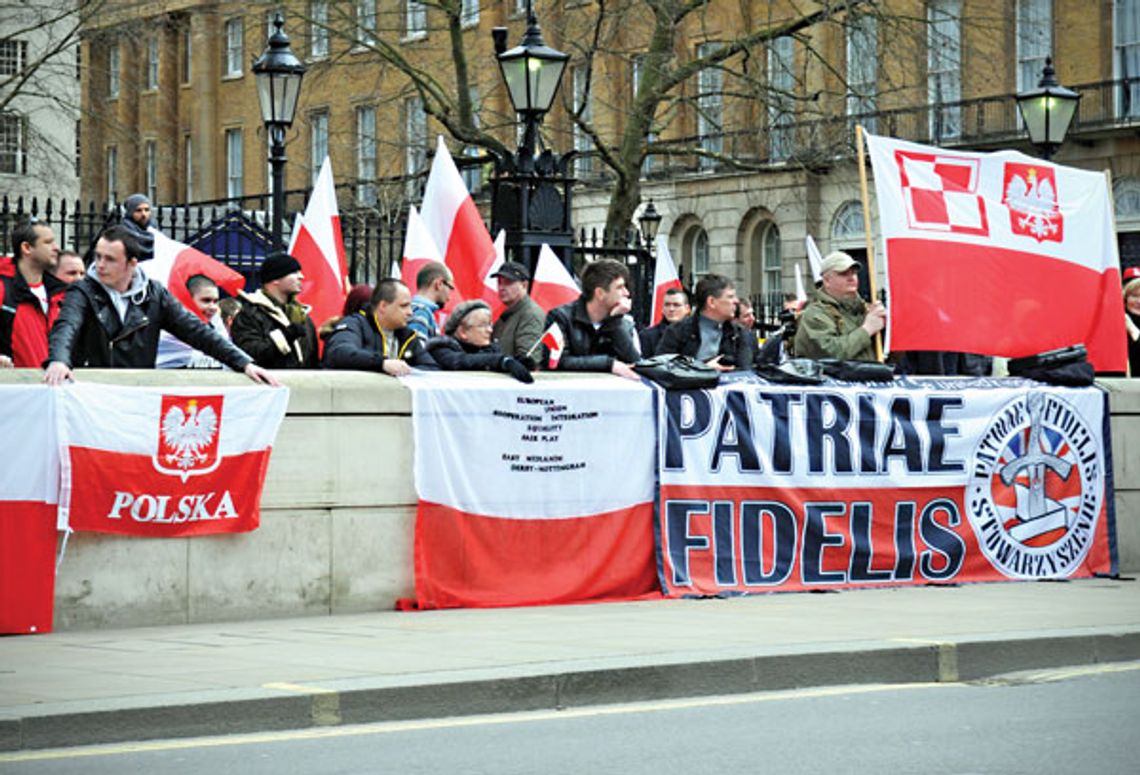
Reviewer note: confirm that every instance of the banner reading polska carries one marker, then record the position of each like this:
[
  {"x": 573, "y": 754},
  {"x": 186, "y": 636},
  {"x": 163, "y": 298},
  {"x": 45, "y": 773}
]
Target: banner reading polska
[
  {"x": 165, "y": 462},
  {"x": 767, "y": 488}
]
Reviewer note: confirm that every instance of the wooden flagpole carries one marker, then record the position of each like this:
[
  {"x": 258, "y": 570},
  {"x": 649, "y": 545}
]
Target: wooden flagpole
[{"x": 873, "y": 286}]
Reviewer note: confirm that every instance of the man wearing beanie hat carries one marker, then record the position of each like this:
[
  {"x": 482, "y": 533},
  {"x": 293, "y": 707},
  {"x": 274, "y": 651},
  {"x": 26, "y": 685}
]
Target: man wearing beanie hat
[
  {"x": 136, "y": 217},
  {"x": 837, "y": 323},
  {"x": 272, "y": 326}
]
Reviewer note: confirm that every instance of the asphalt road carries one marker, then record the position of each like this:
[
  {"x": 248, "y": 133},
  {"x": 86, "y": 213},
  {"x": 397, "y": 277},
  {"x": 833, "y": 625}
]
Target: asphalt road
[{"x": 1060, "y": 721}]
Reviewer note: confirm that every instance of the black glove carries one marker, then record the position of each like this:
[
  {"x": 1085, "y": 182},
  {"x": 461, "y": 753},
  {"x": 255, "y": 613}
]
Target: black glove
[
  {"x": 294, "y": 331},
  {"x": 516, "y": 370}
]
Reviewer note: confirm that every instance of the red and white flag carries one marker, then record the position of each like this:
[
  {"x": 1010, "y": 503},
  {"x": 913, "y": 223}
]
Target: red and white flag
[
  {"x": 664, "y": 278},
  {"x": 165, "y": 462},
  {"x": 491, "y": 284},
  {"x": 998, "y": 253},
  {"x": 29, "y": 486},
  {"x": 456, "y": 227},
  {"x": 541, "y": 515},
  {"x": 553, "y": 285},
  {"x": 419, "y": 249},
  {"x": 815, "y": 259},
  {"x": 317, "y": 243},
  {"x": 555, "y": 342},
  {"x": 174, "y": 263}
]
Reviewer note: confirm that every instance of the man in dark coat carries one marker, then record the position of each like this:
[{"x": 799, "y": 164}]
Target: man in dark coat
[
  {"x": 710, "y": 334},
  {"x": 136, "y": 217},
  {"x": 379, "y": 338},
  {"x": 272, "y": 326},
  {"x": 112, "y": 319},
  {"x": 674, "y": 308}
]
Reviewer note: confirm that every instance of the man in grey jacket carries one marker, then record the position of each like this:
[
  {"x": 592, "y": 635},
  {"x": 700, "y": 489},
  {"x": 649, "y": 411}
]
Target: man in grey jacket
[{"x": 519, "y": 327}]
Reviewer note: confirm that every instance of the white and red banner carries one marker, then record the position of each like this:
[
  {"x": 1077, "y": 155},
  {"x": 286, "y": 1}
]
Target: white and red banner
[
  {"x": 29, "y": 486},
  {"x": 522, "y": 500},
  {"x": 553, "y": 285},
  {"x": 664, "y": 278},
  {"x": 164, "y": 462},
  {"x": 419, "y": 249},
  {"x": 997, "y": 253},
  {"x": 317, "y": 244},
  {"x": 175, "y": 262},
  {"x": 769, "y": 488}
]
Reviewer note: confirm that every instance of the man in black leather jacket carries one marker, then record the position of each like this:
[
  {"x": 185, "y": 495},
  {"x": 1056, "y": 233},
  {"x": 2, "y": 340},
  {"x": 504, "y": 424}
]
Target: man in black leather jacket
[
  {"x": 596, "y": 333},
  {"x": 378, "y": 338},
  {"x": 112, "y": 319},
  {"x": 710, "y": 334}
]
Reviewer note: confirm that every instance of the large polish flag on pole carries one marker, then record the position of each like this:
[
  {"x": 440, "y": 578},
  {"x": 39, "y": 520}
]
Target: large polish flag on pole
[
  {"x": 456, "y": 226},
  {"x": 29, "y": 487},
  {"x": 419, "y": 249},
  {"x": 553, "y": 285},
  {"x": 997, "y": 253},
  {"x": 174, "y": 263},
  {"x": 165, "y": 462},
  {"x": 317, "y": 243},
  {"x": 664, "y": 278},
  {"x": 519, "y": 500}
]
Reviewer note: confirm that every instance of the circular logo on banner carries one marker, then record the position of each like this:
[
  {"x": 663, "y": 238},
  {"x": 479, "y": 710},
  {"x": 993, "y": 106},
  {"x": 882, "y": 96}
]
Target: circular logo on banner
[{"x": 1034, "y": 493}]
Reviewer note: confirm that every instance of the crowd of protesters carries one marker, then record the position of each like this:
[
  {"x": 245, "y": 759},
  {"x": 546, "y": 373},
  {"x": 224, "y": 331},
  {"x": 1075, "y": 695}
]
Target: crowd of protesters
[{"x": 58, "y": 314}]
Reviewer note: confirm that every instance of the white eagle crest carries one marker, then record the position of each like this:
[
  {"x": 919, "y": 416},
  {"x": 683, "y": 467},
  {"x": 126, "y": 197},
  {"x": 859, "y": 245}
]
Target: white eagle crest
[
  {"x": 188, "y": 434},
  {"x": 1035, "y": 202}
]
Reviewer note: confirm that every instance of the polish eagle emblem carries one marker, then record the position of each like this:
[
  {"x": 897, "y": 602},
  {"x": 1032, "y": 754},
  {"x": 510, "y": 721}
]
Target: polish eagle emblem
[
  {"x": 188, "y": 435},
  {"x": 1030, "y": 193}
]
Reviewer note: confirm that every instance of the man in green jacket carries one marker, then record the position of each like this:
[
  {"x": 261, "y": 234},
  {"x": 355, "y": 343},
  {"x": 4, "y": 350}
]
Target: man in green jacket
[
  {"x": 837, "y": 323},
  {"x": 520, "y": 325}
]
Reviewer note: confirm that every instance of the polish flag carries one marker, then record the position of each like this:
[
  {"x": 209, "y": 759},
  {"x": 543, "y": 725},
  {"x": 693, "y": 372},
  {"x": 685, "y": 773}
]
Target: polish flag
[
  {"x": 419, "y": 248},
  {"x": 456, "y": 226},
  {"x": 555, "y": 342},
  {"x": 165, "y": 462},
  {"x": 29, "y": 486},
  {"x": 664, "y": 278},
  {"x": 998, "y": 254},
  {"x": 491, "y": 284},
  {"x": 553, "y": 285},
  {"x": 174, "y": 263},
  {"x": 317, "y": 243},
  {"x": 531, "y": 524}
]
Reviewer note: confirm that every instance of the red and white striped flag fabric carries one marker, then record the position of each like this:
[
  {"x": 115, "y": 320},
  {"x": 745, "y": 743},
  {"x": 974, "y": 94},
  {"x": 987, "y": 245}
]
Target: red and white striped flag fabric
[
  {"x": 165, "y": 462},
  {"x": 419, "y": 248},
  {"x": 553, "y": 285},
  {"x": 456, "y": 227},
  {"x": 555, "y": 343},
  {"x": 174, "y": 263},
  {"x": 317, "y": 243},
  {"x": 519, "y": 501},
  {"x": 29, "y": 486},
  {"x": 664, "y": 278},
  {"x": 997, "y": 253},
  {"x": 491, "y": 284}
]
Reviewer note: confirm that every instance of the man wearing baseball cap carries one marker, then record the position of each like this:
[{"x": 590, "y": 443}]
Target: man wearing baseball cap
[
  {"x": 519, "y": 326},
  {"x": 272, "y": 326},
  {"x": 837, "y": 323}
]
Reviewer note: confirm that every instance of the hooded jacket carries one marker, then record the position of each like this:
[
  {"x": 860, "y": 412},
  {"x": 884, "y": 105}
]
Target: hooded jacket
[
  {"x": 833, "y": 328},
  {"x": 266, "y": 330}
]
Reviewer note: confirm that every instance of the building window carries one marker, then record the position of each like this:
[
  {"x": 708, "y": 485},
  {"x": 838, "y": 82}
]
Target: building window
[
  {"x": 365, "y": 22},
  {"x": 1034, "y": 40},
  {"x": 469, "y": 15},
  {"x": 13, "y": 157},
  {"x": 1126, "y": 40},
  {"x": 13, "y": 56},
  {"x": 847, "y": 226},
  {"x": 773, "y": 264},
  {"x": 415, "y": 19},
  {"x": 366, "y": 155},
  {"x": 235, "y": 31},
  {"x": 415, "y": 140},
  {"x": 700, "y": 260},
  {"x": 112, "y": 174},
  {"x": 188, "y": 160},
  {"x": 319, "y": 29},
  {"x": 584, "y": 107},
  {"x": 781, "y": 98},
  {"x": 944, "y": 73},
  {"x": 710, "y": 107},
  {"x": 318, "y": 142},
  {"x": 150, "y": 153},
  {"x": 637, "y": 73},
  {"x": 518, "y": 7},
  {"x": 234, "y": 175},
  {"x": 152, "y": 62},
  {"x": 187, "y": 54},
  {"x": 113, "y": 70},
  {"x": 473, "y": 174},
  {"x": 862, "y": 69}
]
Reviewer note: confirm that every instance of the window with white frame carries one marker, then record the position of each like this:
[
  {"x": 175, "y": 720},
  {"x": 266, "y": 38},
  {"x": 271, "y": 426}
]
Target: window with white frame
[
  {"x": 944, "y": 68},
  {"x": 1034, "y": 40},
  {"x": 150, "y": 167},
  {"x": 699, "y": 259},
  {"x": 152, "y": 62},
  {"x": 318, "y": 29},
  {"x": 772, "y": 261},
  {"x": 473, "y": 174},
  {"x": 710, "y": 106},
  {"x": 113, "y": 68},
  {"x": 518, "y": 6},
  {"x": 862, "y": 69},
  {"x": 13, "y": 56},
  {"x": 847, "y": 228},
  {"x": 637, "y": 73},
  {"x": 366, "y": 22},
  {"x": 415, "y": 19},
  {"x": 1126, "y": 54},
  {"x": 13, "y": 156},
  {"x": 781, "y": 98},
  {"x": 187, "y": 54},
  {"x": 366, "y": 155},
  {"x": 112, "y": 174},
  {"x": 188, "y": 161},
  {"x": 469, "y": 13},
  {"x": 415, "y": 137},
  {"x": 318, "y": 142},
  {"x": 234, "y": 164},
  {"x": 584, "y": 107},
  {"x": 235, "y": 31}
]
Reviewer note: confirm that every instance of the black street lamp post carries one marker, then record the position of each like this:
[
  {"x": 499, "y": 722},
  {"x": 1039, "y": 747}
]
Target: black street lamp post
[
  {"x": 530, "y": 192},
  {"x": 278, "y": 73},
  {"x": 1047, "y": 111}
]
